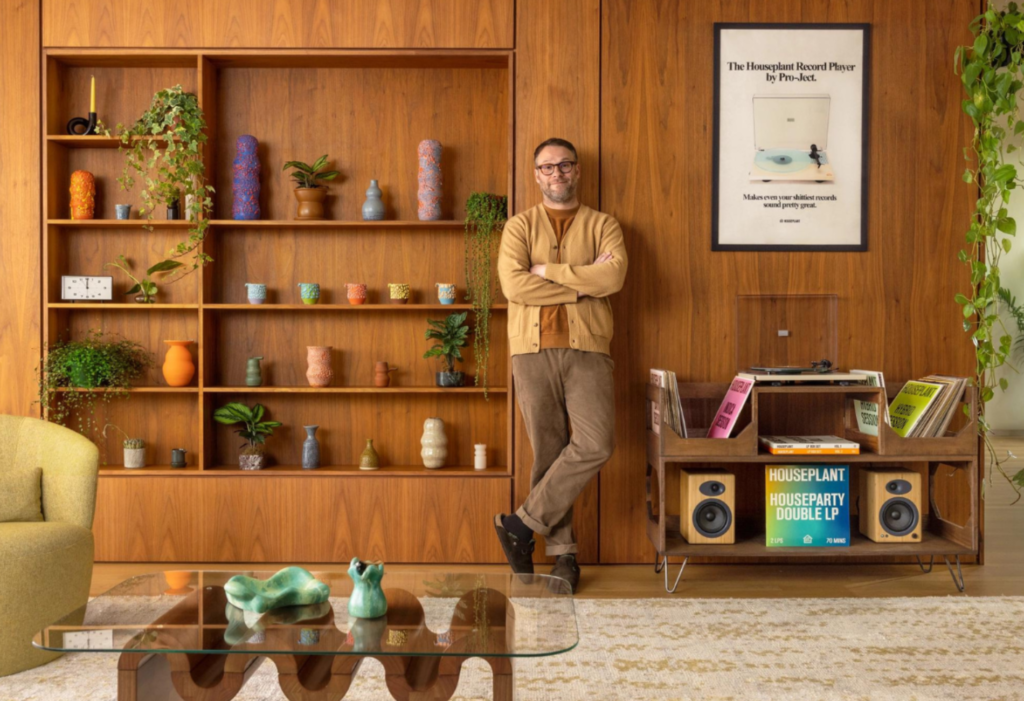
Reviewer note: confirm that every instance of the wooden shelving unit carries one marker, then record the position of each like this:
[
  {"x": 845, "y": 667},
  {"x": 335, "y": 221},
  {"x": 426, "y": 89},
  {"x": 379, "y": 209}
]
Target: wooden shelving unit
[
  {"x": 949, "y": 466},
  {"x": 368, "y": 110}
]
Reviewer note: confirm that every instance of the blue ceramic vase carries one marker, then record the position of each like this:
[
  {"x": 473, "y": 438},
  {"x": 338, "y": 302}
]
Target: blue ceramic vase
[
  {"x": 367, "y": 600},
  {"x": 245, "y": 180},
  {"x": 310, "y": 449}
]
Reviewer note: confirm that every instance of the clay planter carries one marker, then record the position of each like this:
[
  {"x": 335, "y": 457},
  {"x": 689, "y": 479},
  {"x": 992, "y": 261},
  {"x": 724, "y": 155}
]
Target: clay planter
[
  {"x": 398, "y": 292},
  {"x": 356, "y": 292},
  {"x": 311, "y": 202},
  {"x": 134, "y": 457},
  {"x": 319, "y": 372},
  {"x": 252, "y": 462},
  {"x": 381, "y": 378},
  {"x": 178, "y": 367}
]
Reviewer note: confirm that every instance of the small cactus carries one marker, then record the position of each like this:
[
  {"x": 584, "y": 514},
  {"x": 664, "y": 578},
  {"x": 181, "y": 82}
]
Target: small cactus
[{"x": 134, "y": 443}]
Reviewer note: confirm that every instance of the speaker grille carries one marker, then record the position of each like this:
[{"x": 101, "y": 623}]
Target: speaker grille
[
  {"x": 899, "y": 516},
  {"x": 712, "y": 518}
]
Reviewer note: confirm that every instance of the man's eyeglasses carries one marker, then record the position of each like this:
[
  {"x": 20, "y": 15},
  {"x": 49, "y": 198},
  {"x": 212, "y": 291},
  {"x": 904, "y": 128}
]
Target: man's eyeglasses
[{"x": 549, "y": 168}]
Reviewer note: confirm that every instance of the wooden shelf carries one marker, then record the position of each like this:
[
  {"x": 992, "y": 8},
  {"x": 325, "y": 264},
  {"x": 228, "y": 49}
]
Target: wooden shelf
[
  {"x": 354, "y": 471},
  {"x": 89, "y": 141},
  {"x": 751, "y": 543},
  {"x": 336, "y": 224},
  {"x": 122, "y": 306},
  {"x": 817, "y": 389},
  {"x": 139, "y": 224},
  {"x": 344, "y": 307},
  {"x": 149, "y": 470},
  {"x": 134, "y": 390},
  {"x": 354, "y": 390}
]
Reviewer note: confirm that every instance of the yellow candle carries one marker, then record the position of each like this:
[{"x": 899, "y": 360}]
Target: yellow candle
[{"x": 92, "y": 95}]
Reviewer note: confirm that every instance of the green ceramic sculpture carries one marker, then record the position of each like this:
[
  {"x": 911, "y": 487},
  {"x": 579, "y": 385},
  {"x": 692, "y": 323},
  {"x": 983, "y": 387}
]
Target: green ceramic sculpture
[
  {"x": 367, "y": 600},
  {"x": 292, "y": 586}
]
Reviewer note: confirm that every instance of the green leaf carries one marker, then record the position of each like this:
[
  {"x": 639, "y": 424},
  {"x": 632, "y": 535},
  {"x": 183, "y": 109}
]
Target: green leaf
[
  {"x": 1003, "y": 383},
  {"x": 968, "y": 176},
  {"x": 987, "y": 394},
  {"x": 971, "y": 74},
  {"x": 134, "y": 290},
  {"x": 257, "y": 413},
  {"x": 968, "y": 310},
  {"x": 961, "y": 299},
  {"x": 1007, "y": 226},
  {"x": 1006, "y": 245},
  {"x": 164, "y": 266}
]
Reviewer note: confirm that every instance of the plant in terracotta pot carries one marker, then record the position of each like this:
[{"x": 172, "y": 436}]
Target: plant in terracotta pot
[
  {"x": 145, "y": 288},
  {"x": 450, "y": 336},
  {"x": 310, "y": 193},
  {"x": 134, "y": 448},
  {"x": 255, "y": 431},
  {"x": 69, "y": 367}
]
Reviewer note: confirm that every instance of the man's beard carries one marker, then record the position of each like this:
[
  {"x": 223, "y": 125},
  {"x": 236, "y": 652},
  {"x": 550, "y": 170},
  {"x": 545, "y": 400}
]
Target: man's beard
[{"x": 566, "y": 195}]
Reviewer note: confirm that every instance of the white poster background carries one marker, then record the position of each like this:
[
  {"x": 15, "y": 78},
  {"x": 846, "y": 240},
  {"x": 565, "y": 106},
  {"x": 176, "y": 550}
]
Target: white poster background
[{"x": 745, "y": 222}]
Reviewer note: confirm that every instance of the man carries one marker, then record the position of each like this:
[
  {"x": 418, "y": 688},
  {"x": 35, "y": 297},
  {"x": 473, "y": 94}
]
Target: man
[{"x": 558, "y": 264}]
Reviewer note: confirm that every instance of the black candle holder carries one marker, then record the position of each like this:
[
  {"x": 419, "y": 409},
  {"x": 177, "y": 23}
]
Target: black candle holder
[{"x": 89, "y": 125}]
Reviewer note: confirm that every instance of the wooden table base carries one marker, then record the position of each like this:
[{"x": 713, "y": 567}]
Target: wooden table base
[{"x": 174, "y": 676}]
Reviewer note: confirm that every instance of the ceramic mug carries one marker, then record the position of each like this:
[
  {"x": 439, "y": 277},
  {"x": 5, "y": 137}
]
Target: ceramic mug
[
  {"x": 445, "y": 292},
  {"x": 356, "y": 292},
  {"x": 399, "y": 292},
  {"x": 310, "y": 292},
  {"x": 123, "y": 211},
  {"x": 257, "y": 292}
]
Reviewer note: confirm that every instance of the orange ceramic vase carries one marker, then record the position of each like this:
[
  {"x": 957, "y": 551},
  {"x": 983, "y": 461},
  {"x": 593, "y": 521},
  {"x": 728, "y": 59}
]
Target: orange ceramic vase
[
  {"x": 319, "y": 372},
  {"x": 83, "y": 195},
  {"x": 178, "y": 366}
]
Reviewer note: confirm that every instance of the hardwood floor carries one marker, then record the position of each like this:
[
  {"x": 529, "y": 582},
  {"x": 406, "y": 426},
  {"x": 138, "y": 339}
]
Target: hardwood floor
[{"x": 1002, "y": 575}]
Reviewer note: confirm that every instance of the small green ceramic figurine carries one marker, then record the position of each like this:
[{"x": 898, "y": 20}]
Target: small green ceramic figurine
[{"x": 367, "y": 600}]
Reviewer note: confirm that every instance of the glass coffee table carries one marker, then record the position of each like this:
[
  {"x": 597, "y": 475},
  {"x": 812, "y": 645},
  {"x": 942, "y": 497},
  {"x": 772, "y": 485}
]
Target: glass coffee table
[{"x": 178, "y": 637}]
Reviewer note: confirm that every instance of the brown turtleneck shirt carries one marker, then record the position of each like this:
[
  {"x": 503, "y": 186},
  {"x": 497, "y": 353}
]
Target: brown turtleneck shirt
[{"x": 554, "y": 320}]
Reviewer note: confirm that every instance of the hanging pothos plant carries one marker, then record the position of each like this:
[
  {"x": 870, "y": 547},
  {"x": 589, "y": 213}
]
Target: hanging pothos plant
[
  {"x": 486, "y": 214},
  {"x": 163, "y": 148},
  {"x": 991, "y": 72}
]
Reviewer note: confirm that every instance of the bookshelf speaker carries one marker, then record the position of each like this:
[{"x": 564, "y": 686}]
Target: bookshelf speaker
[
  {"x": 707, "y": 503},
  {"x": 890, "y": 505}
]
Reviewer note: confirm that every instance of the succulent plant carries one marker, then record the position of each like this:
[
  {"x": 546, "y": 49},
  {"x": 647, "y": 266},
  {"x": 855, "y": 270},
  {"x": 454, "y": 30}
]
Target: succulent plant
[{"x": 134, "y": 443}]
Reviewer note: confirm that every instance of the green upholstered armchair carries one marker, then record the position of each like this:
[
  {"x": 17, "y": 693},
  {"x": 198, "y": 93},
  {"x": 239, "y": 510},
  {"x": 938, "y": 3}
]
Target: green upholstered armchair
[{"x": 45, "y": 565}]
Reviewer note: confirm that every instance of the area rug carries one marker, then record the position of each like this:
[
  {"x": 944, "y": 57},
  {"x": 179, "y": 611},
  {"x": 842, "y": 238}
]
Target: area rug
[{"x": 915, "y": 648}]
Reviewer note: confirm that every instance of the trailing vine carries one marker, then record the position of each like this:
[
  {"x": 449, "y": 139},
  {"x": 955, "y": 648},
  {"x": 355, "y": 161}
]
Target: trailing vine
[
  {"x": 486, "y": 214},
  {"x": 991, "y": 72},
  {"x": 163, "y": 147},
  {"x": 92, "y": 363}
]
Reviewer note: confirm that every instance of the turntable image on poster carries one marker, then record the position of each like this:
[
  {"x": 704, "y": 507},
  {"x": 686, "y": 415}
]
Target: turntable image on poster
[{"x": 791, "y": 137}]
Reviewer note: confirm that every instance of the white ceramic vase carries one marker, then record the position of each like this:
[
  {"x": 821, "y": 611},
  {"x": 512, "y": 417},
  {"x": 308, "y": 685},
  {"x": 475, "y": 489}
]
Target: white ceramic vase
[
  {"x": 134, "y": 457},
  {"x": 435, "y": 444}
]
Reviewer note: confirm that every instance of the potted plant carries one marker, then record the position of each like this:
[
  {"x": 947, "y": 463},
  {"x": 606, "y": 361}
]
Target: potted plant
[
  {"x": 309, "y": 193},
  {"x": 255, "y": 431},
  {"x": 145, "y": 288},
  {"x": 72, "y": 366},
  {"x": 134, "y": 449},
  {"x": 164, "y": 149},
  {"x": 485, "y": 216},
  {"x": 450, "y": 335}
]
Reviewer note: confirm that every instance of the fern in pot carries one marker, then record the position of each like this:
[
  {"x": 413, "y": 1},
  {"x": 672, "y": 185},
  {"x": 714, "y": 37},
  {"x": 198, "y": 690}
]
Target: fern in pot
[
  {"x": 255, "y": 431},
  {"x": 134, "y": 448},
  {"x": 450, "y": 336}
]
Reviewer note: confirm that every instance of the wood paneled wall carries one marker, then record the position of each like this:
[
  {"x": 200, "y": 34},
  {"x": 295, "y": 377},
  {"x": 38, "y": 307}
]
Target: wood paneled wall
[
  {"x": 294, "y": 24},
  {"x": 20, "y": 197},
  {"x": 558, "y": 56},
  {"x": 630, "y": 82},
  {"x": 677, "y": 310}
]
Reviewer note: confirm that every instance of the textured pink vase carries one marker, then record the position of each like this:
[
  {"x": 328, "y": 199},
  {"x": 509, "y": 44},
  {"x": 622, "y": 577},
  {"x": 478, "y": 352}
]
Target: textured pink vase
[
  {"x": 319, "y": 372},
  {"x": 428, "y": 196}
]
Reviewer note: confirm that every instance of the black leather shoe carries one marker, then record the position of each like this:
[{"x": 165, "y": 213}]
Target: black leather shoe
[
  {"x": 566, "y": 568},
  {"x": 518, "y": 553}
]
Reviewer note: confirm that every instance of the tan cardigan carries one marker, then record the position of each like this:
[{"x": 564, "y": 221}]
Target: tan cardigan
[{"x": 528, "y": 240}]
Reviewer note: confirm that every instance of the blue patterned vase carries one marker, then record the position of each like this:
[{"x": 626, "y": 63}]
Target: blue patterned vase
[{"x": 245, "y": 180}]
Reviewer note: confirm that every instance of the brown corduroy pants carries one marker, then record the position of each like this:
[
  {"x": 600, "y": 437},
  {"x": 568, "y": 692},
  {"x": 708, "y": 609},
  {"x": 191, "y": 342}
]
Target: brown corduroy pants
[{"x": 559, "y": 388}]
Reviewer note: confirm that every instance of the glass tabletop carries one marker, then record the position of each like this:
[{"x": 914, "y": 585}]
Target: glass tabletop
[{"x": 429, "y": 613}]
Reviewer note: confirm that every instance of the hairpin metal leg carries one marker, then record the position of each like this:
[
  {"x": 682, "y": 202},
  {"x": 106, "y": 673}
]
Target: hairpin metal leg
[
  {"x": 657, "y": 567},
  {"x": 664, "y": 567},
  {"x": 931, "y": 563},
  {"x": 958, "y": 576}
]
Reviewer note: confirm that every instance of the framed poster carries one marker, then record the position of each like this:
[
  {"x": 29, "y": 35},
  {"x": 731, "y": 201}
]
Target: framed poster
[{"x": 790, "y": 170}]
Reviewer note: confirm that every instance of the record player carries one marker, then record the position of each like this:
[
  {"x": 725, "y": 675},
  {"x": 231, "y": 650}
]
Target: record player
[{"x": 791, "y": 138}]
